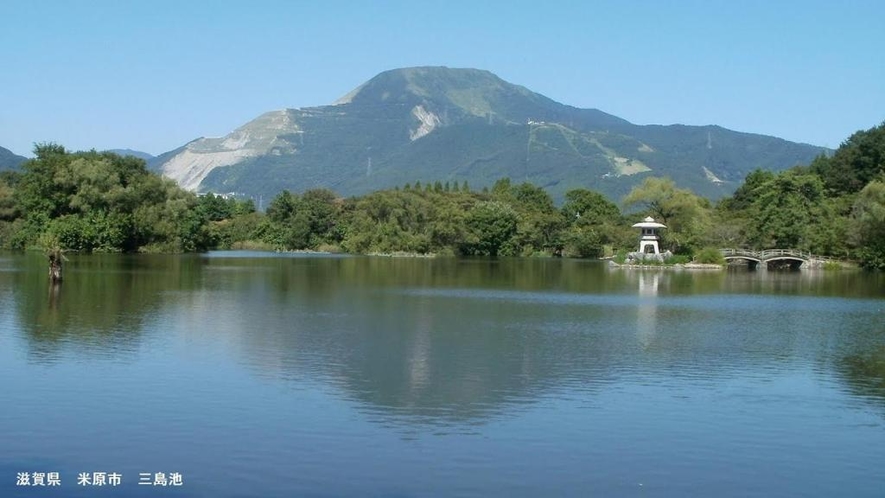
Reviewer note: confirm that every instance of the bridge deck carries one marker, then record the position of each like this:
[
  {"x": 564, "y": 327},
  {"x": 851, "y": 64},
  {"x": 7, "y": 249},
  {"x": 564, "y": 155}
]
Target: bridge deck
[{"x": 772, "y": 255}]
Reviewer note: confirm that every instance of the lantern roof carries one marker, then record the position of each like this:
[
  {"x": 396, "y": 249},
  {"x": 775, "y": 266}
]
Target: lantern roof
[{"x": 649, "y": 222}]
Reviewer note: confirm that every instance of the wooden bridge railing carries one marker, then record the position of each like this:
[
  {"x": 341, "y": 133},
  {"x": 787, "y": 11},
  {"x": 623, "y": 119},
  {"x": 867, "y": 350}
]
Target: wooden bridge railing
[{"x": 767, "y": 254}]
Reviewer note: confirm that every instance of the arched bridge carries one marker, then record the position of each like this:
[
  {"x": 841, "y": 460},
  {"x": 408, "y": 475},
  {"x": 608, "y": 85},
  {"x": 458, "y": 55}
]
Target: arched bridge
[{"x": 793, "y": 258}]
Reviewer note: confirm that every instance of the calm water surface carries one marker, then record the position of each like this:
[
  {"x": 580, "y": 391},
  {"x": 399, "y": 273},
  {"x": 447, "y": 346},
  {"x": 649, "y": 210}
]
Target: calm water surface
[{"x": 278, "y": 376}]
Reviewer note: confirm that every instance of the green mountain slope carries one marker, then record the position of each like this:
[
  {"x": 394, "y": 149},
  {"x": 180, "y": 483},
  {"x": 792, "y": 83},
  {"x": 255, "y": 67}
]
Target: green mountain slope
[
  {"x": 435, "y": 123},
  {"x": 134, "y": 153},
  {"x": 9, "y": 160}
]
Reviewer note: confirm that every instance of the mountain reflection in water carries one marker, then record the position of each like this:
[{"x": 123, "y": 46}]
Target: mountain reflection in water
[{"x": 474, "y": 376}]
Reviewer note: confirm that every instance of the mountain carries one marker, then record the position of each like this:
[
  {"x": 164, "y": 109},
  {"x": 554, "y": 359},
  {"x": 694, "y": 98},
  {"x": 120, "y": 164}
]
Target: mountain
[
  {"x": 134, "y": 153},
  {"x": 436, "y": 123},
  {"x": 9, "y": 160}
]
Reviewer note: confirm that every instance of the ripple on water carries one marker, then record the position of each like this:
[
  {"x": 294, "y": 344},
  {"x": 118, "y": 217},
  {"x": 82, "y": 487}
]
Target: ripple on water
[{"x": 340, "y": 380}]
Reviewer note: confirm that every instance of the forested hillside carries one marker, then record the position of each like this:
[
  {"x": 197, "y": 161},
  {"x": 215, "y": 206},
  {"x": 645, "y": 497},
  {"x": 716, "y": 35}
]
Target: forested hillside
[
  {"x": 90, "y": 201},
  {"x": 9, "y": 160},
  {"x": 459, "y": 124}
]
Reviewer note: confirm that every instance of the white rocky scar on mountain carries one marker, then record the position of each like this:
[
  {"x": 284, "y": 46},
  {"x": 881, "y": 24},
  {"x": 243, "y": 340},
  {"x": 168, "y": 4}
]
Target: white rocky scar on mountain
[
  {"x": 256, "y": 138},
  {"x": 429, "y": 121},
  {"x": 481, "y": 128}
]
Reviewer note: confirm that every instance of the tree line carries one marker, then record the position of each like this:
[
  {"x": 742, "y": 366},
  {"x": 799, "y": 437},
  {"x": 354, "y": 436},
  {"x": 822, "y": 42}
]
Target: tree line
[{"x": 101, "y": 202}]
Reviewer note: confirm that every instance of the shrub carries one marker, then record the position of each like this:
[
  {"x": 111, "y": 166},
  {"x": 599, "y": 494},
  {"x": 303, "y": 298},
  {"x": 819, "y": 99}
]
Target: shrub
[
  {"x": 832, "y": 265},
  {"x": 710, "y": 256},
  {"x": 678, "y": 259}
]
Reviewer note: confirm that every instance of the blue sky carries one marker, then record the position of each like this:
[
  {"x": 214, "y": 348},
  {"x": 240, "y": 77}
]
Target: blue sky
[{"x": 156, "y": 74}]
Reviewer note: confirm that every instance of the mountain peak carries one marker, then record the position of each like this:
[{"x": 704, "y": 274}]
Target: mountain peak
[
  {"x": 468, "y": 91},
  {"x": 422, "y": 81},
  {"x": 426, "y": 123}
]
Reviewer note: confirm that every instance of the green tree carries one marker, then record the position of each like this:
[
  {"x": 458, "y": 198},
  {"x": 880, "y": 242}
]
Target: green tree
[
  {"x": 282, "y": 207},
  {"x": 244, "y": 207},
  {"x": 743, "y": 197},
  {"x": 791, "y": 210},
  {"x": 37, "y": 195},
  {"x": 592, "y": 222},
  {"x": 389, "y": 221},
  {"x": 686, "y": 215},
  {"x": 858, "y": 161},
  {"x": 493, "y": 225},
  {"x": 590, "y": 206},
  {"x": 215, "y": 208},
  {"x": 92, "y": 201},
  {"x": 867, "y": 231},
  {"x": 540, "y": 223},
  {"x": 502, "y": 190},
  {"x": 448, "y": 226},
  {"x": 8, "y": 208},
  {"x": 321, "y": 208}
]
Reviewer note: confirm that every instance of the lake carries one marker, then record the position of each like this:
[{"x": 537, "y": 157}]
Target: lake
[{"x": 252, "y": 374}]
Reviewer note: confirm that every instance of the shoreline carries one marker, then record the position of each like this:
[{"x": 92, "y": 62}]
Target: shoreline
[
  {"x": 401, "y": 254},
  {"x": 677, "y": 266}
]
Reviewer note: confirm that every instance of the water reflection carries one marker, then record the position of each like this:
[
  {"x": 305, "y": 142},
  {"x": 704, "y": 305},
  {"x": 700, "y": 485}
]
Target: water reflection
[
  {"x": 864, "y": 374},
  {"x": 647, "y": 309},
  {"x": 446, "y": 342},
  {"x": 449, "y": 342},
  {"x": 101, "y": 306},
  {"x": 367, "y": 327},
  {"x": 306, "y": 376}
]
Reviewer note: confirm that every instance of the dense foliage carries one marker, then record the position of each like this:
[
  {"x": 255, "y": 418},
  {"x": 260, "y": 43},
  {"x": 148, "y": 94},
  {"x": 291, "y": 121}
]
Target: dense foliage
[
  {"x": 90, "y": 201},
  {"x": 509, "y": 220},
  {"x": 833, "y": 207}
]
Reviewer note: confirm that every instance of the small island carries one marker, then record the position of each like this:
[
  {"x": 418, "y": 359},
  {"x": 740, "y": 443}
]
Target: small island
[{"x": 649, "y": 254}]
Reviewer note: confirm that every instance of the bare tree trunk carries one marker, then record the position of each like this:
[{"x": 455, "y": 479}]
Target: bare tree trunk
[{"x": 55, "y": 259}]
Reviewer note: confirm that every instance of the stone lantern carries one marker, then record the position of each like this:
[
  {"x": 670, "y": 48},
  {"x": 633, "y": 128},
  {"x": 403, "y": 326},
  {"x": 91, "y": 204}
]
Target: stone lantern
[{"x": 648, "y": 236}]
